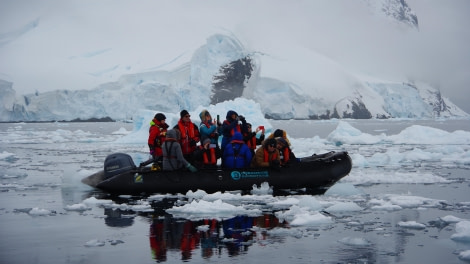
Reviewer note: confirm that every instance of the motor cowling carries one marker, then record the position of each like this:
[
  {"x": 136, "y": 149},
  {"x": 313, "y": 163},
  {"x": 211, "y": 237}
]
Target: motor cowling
[{"x": 117, "y": 163}]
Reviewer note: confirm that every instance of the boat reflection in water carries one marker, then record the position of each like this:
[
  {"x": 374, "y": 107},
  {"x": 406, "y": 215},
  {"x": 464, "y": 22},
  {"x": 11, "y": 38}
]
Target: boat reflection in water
[
  {"x": 212, "y": 236},
  {"x": 172, "y": 238}
]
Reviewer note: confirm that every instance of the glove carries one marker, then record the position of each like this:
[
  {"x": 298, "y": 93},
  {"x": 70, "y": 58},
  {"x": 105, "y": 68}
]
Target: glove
[
  {"x": 152, "y": 152},
  {"x": 192, "y": 143},
  {"x": 274, "y": 164},
  {"x": 191, "y": 168}
]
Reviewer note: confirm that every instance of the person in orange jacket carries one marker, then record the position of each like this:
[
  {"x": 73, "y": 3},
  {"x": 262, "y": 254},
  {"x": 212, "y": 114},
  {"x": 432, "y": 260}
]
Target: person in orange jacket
[{"x": 189, "y": 134}]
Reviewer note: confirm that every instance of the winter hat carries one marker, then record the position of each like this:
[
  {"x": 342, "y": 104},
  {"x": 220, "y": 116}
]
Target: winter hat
[
  {"x": 207, "y": 140},
  {"x": 282, "y": 141},
  {"x": 203, "y": 115},
  {"x": 271, "y": 142},
  {"x": 278, "y": 133},
  {"x": 171, "y": 134},
  {"x": 230, "y": 113},
  {"x": 183, "y": 113},
  {"x": 160, "y": 117}
]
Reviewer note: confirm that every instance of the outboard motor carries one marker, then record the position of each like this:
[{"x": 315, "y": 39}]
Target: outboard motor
[{"x": 117, "y": 163}]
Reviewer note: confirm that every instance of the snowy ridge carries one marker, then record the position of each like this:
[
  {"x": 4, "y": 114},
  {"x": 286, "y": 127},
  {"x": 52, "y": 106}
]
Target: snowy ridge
[
  {"x": 396, "y": 10},
  {"x": 221, "y": 65},
  {"x": 333, "y": 93},
  {"x": 288, "y": 78}
]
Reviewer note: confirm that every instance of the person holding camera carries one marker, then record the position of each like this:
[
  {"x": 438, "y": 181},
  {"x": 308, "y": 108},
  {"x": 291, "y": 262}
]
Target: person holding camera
[
  {"x": 250, "y": 137},
  {"x": 233, "y": 123},
  {"x": 209, "y": 128},
  {"x": 189, "y": 133}
]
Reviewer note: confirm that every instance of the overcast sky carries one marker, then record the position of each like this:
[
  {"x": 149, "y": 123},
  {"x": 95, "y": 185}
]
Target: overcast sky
[{"x": 50, "y": 45}]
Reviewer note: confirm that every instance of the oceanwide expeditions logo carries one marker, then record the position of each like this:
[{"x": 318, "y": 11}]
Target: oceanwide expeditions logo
[{"x": 237, "y": 175}]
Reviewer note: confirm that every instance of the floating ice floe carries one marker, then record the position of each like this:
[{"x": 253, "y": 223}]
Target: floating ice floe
[
  {"x": 77, "y": 207},
  {"x": 343, "y": 189},
  {"x": 411, "y": 225},
  {"x": 216, "y": 209},
  {"x": 344, "y": 207},
  {"x": 465, "y": 255},
  {"x": 95, "y": 243},
  {"x": 39, "y": 212},
  {"x": 6, "y": 155},
  {"x": 462, "y": 230},
  {"x": 301, "y": 216},
  {"x": 354, "y": 241},
  {"x": 94, "y": 201}
]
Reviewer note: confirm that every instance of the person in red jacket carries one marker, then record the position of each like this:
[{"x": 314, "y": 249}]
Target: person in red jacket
[
  {"x": 157, "y": 134},
  {"x": 189, "y": 135}
]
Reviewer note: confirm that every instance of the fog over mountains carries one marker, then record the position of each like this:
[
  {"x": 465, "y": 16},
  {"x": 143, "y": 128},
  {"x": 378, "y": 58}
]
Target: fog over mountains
[{"x": 287, "y": 78}]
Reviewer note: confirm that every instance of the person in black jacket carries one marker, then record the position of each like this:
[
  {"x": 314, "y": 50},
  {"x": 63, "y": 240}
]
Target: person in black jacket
[
  {"x": 206, "y": 156},
  {"x": 285, "y": 152},
  {"x": 250, "y": 138},
  {"x": 233, "y": 123}
]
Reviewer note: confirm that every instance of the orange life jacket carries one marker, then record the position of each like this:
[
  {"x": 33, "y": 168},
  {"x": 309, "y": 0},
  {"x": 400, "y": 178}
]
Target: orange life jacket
[
  {"x": 266, "y": 156},
  {"x": 285, "y": 152},
  {"x": 212, "y": 160},
  {"x": 252, "y": 142},
  {"x": 235, "y": 129},
  {"x": 186, "y": 131}
]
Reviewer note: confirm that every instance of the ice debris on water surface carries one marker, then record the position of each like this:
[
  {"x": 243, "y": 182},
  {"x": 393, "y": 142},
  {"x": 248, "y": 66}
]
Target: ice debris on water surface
[
  {"x": 95, "y": 243},
  {"x": 411, "y": 225}
]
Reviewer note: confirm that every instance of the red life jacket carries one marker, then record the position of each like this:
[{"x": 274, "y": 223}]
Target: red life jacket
[
  {"x": 285, "y": 152},
  {"x": 187, "y": 134},
  {"x": 212, "y": 160},
  {"x": 266, "y": 156},
  {"x": 186, "y": 131},
  {"x": 235, "y": 129},
  {"x": 157, "y": 133},
  {"x": 252, "y": 142}
]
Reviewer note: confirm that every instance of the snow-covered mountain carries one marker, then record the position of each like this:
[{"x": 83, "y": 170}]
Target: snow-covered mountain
[
  {"x": 300, "y": 83},
  {"x": 396, "y": 10}
]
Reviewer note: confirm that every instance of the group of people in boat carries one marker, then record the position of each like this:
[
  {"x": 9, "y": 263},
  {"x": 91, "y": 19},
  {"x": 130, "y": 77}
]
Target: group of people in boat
[{"x": 187, "y": 146}]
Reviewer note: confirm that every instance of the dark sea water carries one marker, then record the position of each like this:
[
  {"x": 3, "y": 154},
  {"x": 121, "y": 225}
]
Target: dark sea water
[{"x": 41, "y": 192}]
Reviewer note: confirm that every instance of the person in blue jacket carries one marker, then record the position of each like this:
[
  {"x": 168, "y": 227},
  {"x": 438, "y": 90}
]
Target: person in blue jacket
[
  {"x": 232, "y": 124},
  {"x": 209, "y": 128},
  {"x": 237, "y": 154}
]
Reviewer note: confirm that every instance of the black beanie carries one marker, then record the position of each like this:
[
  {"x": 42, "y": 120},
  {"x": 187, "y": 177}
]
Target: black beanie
[
  {"x": 271, "y": 142},
  {"x": 183, "y": 113},
  {"x": 278, "y": 133},
  {"x": 160, "y": 117}
]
